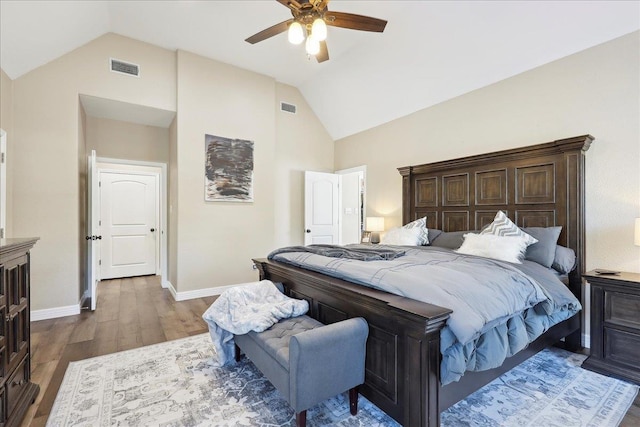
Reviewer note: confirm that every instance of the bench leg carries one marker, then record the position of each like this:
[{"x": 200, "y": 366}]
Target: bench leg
[
  {"x": 301, "y": 418},
  {"x": 238, "y": 352},
  {"x": 353, "y": 400}
]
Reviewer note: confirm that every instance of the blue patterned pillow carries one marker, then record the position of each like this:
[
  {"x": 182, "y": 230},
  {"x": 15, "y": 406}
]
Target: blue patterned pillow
[
  {"x": 503, "y": 226},
  {"x": 423, "y": 237}
]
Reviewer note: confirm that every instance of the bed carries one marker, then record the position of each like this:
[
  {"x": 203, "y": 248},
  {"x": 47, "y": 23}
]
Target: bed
[{"x": 537, "y": 186}]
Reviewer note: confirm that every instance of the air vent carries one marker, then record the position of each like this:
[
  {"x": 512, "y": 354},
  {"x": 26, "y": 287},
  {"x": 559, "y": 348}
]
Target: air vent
[
  {"x": 127, "y": 68},
  {"x": 289, "y": 108}
]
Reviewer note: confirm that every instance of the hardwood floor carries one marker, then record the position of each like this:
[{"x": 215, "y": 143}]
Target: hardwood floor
[{"x": 131, "y": 313}]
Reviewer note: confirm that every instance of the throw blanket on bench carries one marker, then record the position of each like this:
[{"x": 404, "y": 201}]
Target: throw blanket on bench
[
  {"x": 357, "y": 252},
  {"x": 244, "y": 308}
]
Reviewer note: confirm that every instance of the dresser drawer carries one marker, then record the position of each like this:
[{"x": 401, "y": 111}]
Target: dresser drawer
[
  {"x": 622, "y": 309},
  {"x": 17, "y": 384},
  {"x": 621, "y": 347}
]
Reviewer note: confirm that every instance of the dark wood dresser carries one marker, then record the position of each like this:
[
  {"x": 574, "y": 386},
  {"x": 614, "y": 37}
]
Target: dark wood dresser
[
  {"x": 17, "y": 391},
  {"x": 615, "y": 325}
]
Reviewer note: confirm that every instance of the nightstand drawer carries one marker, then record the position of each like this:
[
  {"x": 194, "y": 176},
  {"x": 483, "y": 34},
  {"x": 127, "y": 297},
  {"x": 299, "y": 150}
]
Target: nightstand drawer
[
  {"x": 621, "y": 347},
  {"x": 622, "y": 309}
]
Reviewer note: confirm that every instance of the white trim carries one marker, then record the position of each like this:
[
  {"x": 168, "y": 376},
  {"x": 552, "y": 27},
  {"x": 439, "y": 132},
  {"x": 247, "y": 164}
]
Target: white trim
[
  {"x": 198, "y": 293},
  {"x": 52, "y": 313}
]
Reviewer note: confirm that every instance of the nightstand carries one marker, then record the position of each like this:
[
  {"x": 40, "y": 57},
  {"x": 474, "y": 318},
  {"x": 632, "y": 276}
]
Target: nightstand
[{"x": 615, "y": 325}]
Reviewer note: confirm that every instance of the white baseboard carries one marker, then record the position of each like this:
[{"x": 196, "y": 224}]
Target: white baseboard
[
  {"x": 199, "y": 293},
  {"x": 52, "y": 313}
]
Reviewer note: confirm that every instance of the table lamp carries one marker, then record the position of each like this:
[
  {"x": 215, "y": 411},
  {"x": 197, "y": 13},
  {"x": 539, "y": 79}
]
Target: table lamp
[{"x": 375, "y": 224}]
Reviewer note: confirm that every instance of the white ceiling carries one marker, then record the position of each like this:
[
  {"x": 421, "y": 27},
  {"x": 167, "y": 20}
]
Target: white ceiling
[{"x": 431, "y": 51}]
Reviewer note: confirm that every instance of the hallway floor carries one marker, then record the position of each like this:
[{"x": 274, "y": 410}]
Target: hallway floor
[{"x": 131, "y": 313}]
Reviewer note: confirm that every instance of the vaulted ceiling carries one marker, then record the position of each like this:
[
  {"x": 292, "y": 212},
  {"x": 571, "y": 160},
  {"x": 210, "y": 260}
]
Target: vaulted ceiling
[{"x": 430, "y": 51}]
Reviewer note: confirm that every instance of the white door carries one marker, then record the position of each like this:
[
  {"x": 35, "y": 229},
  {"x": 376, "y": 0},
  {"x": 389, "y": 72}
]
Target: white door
[
  {"x": 129, "y": 216},
  {"x": 93, "y": 229},
  {"x": 321, "y": 208}
]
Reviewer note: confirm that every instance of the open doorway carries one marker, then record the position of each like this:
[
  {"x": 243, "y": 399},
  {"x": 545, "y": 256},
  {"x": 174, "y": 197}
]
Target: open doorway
[
  {"x": 352, "y": 204},
  {"x": 334, "y": 206},
  {"x": 127, "y": 211}
]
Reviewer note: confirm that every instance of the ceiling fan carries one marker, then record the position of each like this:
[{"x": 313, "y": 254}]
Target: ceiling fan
[{"x": 313, "y": 17}]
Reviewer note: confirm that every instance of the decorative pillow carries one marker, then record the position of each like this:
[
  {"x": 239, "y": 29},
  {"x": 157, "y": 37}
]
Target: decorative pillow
[
  {"x": 402, "y": 237},
  {"x": 433, "y": 235},
  {"x": 505, "y": 248},
  {"x": 420, "y": 224},
  {"x": 544, "y": 251},
  {"x": 449, "y": 239},
  {"x": 565, "y": 260},
  {"x": 503, "y": 226}
]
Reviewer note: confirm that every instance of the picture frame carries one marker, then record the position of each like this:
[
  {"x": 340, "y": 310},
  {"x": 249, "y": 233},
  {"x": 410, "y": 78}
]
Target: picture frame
[
  {"x": 228, "y": 169},
  {"x": 366, "y": 237}
]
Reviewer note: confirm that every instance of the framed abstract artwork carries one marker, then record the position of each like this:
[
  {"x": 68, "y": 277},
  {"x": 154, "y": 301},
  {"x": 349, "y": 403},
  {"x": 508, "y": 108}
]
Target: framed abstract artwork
[{"x": 228, "y": 169}]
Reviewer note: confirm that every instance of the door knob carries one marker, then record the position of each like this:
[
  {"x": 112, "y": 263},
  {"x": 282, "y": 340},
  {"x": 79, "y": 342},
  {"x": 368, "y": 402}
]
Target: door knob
[
  {"x": 153, "y": 229},
  {"x": 308, "y": 231}
]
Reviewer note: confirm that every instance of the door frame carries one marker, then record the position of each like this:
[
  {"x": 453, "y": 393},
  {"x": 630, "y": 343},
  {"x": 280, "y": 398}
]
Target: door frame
[{"x": 105, "y": 164}]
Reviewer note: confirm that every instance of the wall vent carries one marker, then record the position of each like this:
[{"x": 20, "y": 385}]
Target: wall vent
[
  {"x": 127, "y": 68},
  {"x": 288, "y": 108}
]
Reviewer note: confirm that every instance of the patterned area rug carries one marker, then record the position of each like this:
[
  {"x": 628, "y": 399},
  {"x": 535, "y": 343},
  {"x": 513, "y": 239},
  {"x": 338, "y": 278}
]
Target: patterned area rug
[{"x": 174, "y": 384}]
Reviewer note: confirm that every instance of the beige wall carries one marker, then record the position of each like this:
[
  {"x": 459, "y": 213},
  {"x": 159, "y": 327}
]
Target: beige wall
[
  {"x": 216, "y": 240},
  {"x": 210, "y": 244},
  {"x": 172, "y": 209},
  {"x": 83, "y": 184},
  {"x": 595, "y": 91},
  {"x": 130, "y": 141},
  {"x": 6, "y": 123},
  {"x": 46, "y": 169},
  {"x": 302, "y": 143}
]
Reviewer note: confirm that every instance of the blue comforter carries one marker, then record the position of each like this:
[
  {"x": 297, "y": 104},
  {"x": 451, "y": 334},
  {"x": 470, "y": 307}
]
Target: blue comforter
[{"x": 498, "y": 307}]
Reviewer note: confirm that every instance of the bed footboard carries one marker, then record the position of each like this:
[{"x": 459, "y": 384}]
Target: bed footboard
[{"x": 402, "y": 368}]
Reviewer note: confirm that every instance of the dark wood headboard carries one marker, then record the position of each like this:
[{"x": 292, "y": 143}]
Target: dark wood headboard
[{"x": 536, "y": 186}]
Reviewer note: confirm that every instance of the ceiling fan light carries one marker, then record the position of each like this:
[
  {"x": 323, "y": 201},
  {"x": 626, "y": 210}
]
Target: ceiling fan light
[
  {"x": 312, "y": 46},
  {"x": 319, "y": 29},
  {"x": 295, "y": 33}
]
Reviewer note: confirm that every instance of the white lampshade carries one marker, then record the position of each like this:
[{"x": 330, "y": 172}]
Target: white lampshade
[
  {"x": 375, "y": 223},
  {"x": 313, "y": 46},
  {"x": 319, "y": 30},
  {"x": 636, "y": 239},
  {"x": 295, "y": 33}
]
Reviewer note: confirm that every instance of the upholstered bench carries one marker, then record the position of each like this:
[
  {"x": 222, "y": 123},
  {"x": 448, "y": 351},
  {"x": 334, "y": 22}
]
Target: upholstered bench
[{"x": 309, "y": 362}]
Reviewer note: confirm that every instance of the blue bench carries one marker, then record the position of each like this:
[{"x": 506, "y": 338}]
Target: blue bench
[{"x": 309, "y": 362}]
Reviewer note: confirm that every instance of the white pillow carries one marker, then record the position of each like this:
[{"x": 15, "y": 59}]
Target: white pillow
[
  {"x": 503, "y": 226},
  {"x": 402, "y": 237},
  {"x": 421, "y": 224},
  {"x": 505, "y": 248}
]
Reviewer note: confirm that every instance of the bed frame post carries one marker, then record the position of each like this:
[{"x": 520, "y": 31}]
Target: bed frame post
[{"x": 422, "y": 378}]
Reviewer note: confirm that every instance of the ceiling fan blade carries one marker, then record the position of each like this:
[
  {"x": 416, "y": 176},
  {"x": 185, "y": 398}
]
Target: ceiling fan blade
[
  {"x": 291, "y": 4},
  {"x": 354, "y": 22},
  {"x": 270, "y": 32},
  {"x": 322, "y": 5},
  {"x": 323, "y": 55}
]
